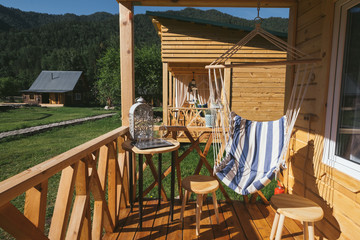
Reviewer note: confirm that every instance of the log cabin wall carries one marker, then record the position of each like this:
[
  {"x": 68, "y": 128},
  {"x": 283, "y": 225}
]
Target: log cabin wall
[
  {"x": 337, "y": 193},
  {"x": 254, "y": 93}
]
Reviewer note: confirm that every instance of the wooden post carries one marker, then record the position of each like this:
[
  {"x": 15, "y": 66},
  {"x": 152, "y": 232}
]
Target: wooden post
[
  {"x": 289, "y": 80},
  {"x": 126, "y": 59},
  {"x": 290, "y": 70},
  {"x": 227, "y": 82},
  {"x": 165, "y": 93},
  {"x": 170, "y": 90}
]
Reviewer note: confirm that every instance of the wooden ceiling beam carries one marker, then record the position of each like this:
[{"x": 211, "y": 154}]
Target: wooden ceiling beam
[{"x": 213, "y": 3}]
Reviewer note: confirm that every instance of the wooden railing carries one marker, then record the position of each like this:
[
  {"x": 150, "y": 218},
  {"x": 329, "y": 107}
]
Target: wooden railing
[
  {"x": 186, "y": 116},
  {"x": 98, "y": 167}
]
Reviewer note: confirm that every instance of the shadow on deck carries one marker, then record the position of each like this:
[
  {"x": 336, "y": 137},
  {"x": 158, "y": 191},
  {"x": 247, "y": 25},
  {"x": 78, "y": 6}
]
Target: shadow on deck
[{"x": 237, "y": 221}]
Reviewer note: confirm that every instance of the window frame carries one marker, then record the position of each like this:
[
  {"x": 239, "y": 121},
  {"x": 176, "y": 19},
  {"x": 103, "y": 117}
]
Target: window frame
[
  {"x": 332, "y": 112},
  {"x": 77, "y": 96}
]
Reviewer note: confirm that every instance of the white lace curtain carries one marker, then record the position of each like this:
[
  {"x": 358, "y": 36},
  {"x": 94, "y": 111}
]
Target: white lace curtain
[{"x": 182, "y": 94}]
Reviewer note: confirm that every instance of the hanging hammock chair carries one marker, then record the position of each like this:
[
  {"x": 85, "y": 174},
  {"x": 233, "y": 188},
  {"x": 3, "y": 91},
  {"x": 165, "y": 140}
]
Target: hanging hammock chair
[{"x": 248, "y": 154}]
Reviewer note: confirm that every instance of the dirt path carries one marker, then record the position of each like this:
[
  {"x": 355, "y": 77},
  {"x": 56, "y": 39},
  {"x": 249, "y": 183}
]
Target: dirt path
[{"x": 35, "y": 129}]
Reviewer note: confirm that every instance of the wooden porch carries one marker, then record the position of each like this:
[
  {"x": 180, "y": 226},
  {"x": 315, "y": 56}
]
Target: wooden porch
[{"x": 237, "y": 221}]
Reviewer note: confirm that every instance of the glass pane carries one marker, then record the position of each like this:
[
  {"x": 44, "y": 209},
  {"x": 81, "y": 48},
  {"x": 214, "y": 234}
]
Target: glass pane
[{"x": 348, "y": 138}]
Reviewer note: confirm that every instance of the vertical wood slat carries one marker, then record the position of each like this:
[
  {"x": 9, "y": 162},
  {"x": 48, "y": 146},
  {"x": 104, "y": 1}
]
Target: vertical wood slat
[
  {"x": 15, "y": 223},
  {"x": 81, "y": 201},
  {"x": 99, "y": 198},
  {"x": 112, "y": 186},
  {"x": 165, "y": 92},
  {"x": 127, "y": 74},
  {"x": 86, "y": 227},
  {"x": 123, "y": 167},
  {"x": 63, "y": 200},
  {"x": 35, "y": 204},
  {"x": 98, "y": 217}
]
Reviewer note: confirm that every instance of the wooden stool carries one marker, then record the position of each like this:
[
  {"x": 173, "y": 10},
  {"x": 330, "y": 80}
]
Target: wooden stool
[
  {"x": 298, "y": 208},
  {"x": 201, "y": 186}
]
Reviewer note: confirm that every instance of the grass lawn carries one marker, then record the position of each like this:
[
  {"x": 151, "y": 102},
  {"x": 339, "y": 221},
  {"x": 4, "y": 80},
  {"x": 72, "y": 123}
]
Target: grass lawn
[{"x": 34, "y": 116}]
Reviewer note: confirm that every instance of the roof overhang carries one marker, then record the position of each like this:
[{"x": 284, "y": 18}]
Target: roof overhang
[
  {"x": 45, "y": 91},
  {"x": 212, "y": 3}
]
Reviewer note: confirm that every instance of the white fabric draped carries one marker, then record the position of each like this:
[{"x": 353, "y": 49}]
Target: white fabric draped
[
  {"x": 181, "y": 83},
  {"x": 202, "y": 84},
  {"x": 182, "y": 94}
]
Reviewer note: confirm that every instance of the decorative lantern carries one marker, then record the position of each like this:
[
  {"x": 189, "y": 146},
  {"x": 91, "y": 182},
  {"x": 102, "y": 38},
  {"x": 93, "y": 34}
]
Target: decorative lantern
[{"x": 141, "y": 121}]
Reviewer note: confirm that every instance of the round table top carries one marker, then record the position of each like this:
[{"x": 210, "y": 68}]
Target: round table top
[
  {"x": 296, "y": 207},
  {"x": 129, "y": 147},
  {"x": 200, "y": 184}
]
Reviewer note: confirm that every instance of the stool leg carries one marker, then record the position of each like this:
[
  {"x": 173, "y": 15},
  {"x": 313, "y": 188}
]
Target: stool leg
[
  {"x": 183, "y": 206},
  {"x": 280, "y": 226},
  {"x": 198, "y": 217},
  {"x": 274, "y": 226},
  {"x": 305, "y": 230},
  {"x": 215, "y": 207},
  {"x": 311, "y": 230}
]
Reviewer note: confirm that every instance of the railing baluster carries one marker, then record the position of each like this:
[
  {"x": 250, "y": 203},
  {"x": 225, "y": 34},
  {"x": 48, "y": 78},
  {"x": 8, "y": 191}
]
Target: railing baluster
[
  {"x": 112, "y": 186},
  {"x": 106, "y": 153},
  {"x": 123, "y": 167},
  {"x": 101, "y": 211},
  {"x": 15, "y": 223},
  {"x": 63, "y": 200},
  {"x": 35, "y": 204},
  {"x": 81, "y": 201}
]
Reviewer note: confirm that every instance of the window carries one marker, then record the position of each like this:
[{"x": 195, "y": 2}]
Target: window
[
  {"x": 342, "y": 144},
  {"x": 31, "y": 96},
  {"x": 77, "y": 96}
]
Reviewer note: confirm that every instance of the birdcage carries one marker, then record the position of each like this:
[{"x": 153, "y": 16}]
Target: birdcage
[
  {"x": 141, "y": 121},
  {"x": 142, "y": 126}
]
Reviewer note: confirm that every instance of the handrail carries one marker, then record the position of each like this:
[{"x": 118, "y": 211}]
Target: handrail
[
  {"x": 98, "y": 166},
  {"x": 16, "y": 185}
]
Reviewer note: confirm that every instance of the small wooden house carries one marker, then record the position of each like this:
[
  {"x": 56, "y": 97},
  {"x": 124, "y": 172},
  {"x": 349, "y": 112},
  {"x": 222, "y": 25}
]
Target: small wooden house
[
  {"x": 188, "y": 44},
  {"x": 56, "y": 87}
]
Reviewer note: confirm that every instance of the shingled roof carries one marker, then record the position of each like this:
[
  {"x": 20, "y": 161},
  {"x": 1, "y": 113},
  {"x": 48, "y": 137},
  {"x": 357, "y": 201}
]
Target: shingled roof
[{"x": 55, "y": 81}]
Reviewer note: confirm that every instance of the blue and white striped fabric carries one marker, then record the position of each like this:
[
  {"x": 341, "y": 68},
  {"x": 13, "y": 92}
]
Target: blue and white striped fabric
[{"x": 252, "y": 154}]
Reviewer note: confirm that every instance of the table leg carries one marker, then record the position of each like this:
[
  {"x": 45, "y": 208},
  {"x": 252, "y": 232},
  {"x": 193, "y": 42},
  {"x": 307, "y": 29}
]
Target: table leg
[
  {"x": 159, "y": 177},
  {"x": 131, "y": 181},
  {"x": 172, "y": 184},
  {"x": 140, "y": 189}
]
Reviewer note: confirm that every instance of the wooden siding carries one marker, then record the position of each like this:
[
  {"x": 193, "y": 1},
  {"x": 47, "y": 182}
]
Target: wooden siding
[
  {"x": 336, "y": 192},
  {"x": 258, "y": 93},
  {"x": 191, "y": 42},
  {"x": 255, "y": 93}
]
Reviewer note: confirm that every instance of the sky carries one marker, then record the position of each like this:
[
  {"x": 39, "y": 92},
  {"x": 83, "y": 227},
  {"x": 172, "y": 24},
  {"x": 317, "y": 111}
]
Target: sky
[{"x": 86, "y": 7}]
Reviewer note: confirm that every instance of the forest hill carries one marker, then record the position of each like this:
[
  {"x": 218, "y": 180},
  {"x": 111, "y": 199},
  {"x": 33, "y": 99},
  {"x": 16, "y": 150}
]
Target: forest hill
[{"x": 31, "y": 42}]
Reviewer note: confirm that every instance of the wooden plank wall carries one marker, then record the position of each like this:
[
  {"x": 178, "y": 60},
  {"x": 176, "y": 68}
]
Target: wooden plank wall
[
  {"x": 258, "y": 93},
  {"x": 255, "y": 93},
  {"x": 337, "y": 193},
  {"x": 192, "y": 42}
]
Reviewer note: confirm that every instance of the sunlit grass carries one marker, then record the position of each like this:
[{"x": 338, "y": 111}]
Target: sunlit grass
[{"x": 33, "y": 116}]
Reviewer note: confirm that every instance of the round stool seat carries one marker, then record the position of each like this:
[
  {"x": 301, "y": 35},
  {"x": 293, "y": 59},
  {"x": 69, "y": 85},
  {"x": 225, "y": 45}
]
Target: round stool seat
[
  {"x": 297, "y": 207},
  {"x": 200, "y": 184}
]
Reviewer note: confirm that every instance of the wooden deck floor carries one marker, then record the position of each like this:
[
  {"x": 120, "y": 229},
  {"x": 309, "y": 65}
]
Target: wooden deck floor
[{"x": 237, "y": 221}]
